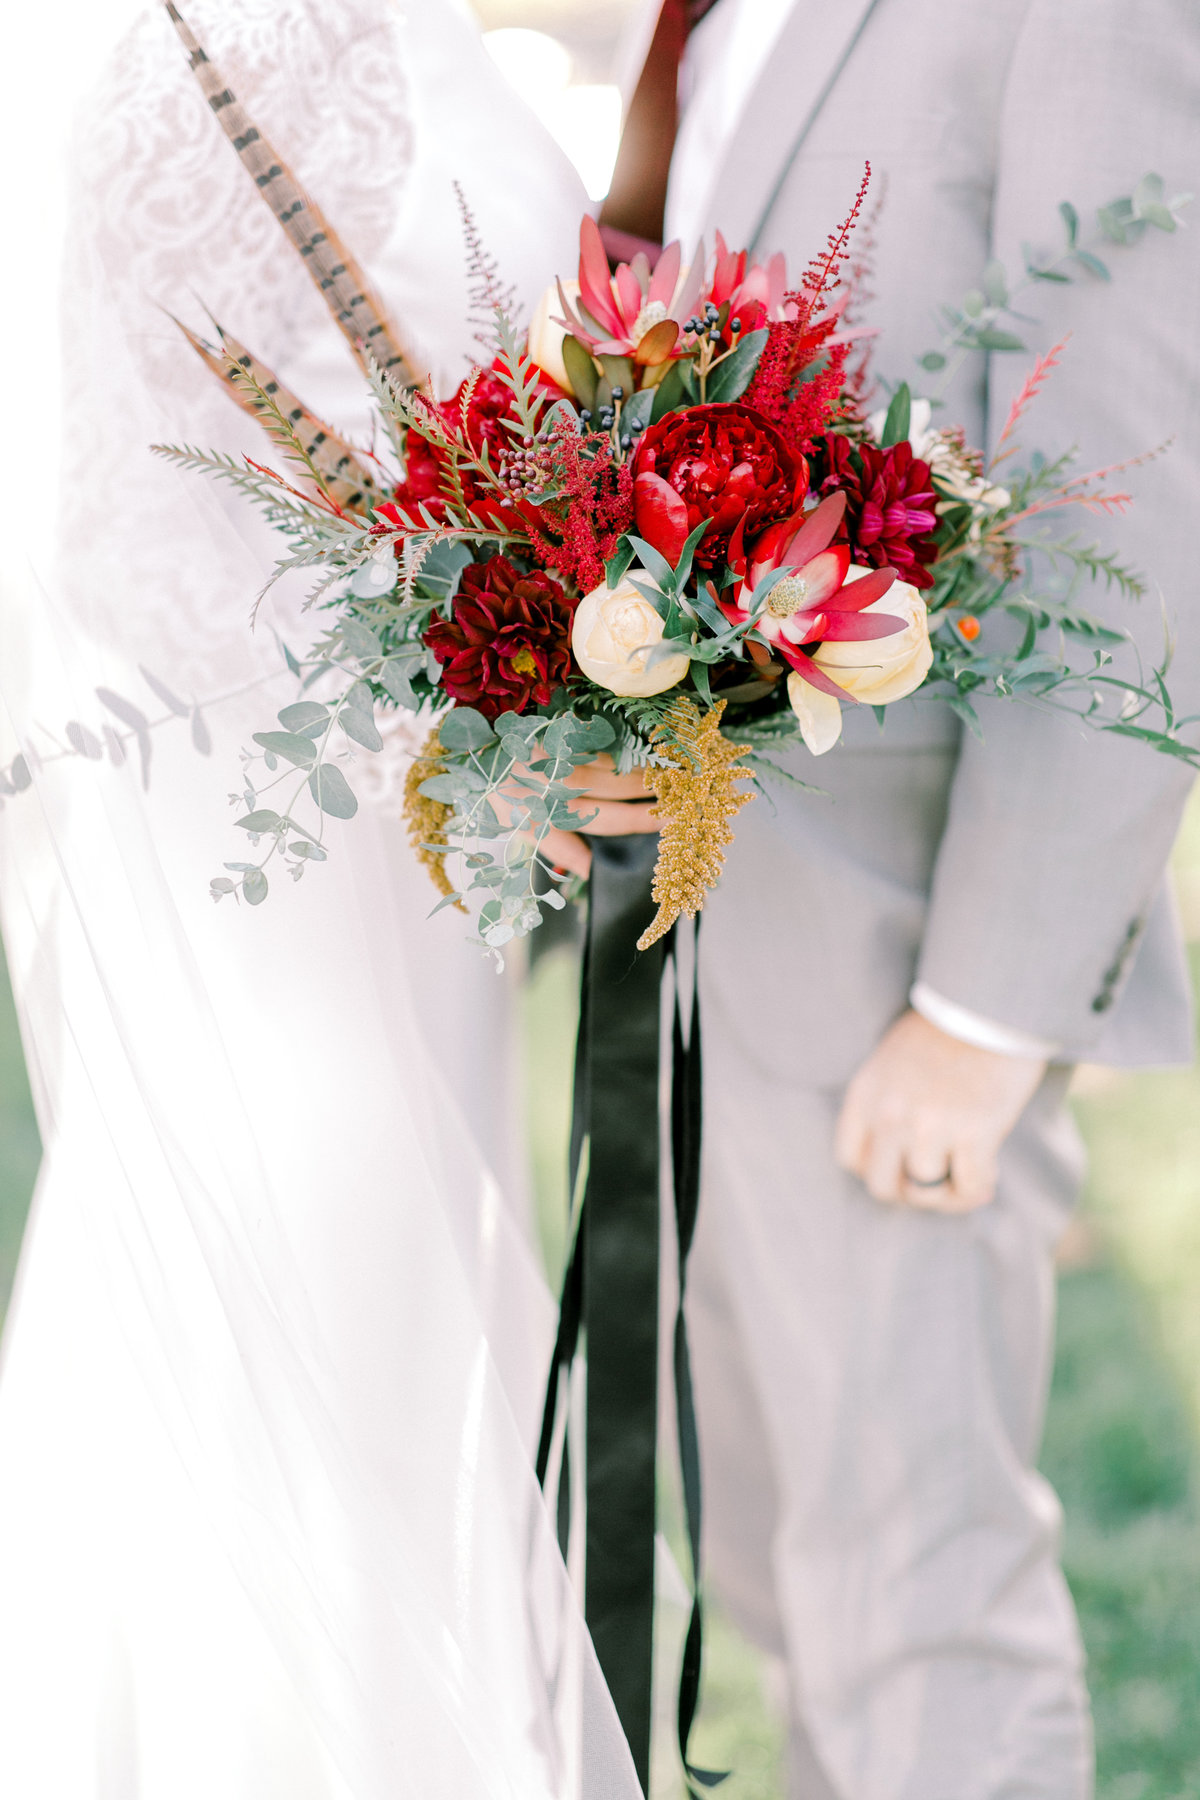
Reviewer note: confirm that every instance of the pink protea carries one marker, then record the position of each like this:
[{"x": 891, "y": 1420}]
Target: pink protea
[
  {"x": 756, "y": 293},
  {"x": 634, "y": 312},
  {"x": 814, "y": 603}
]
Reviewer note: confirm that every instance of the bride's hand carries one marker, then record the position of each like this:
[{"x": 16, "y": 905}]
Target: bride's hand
[{"x": 621, "y": 806}]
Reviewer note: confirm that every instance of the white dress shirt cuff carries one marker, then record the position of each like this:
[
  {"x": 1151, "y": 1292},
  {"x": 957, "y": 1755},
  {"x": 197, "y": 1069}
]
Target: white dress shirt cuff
[{"x": 957, "y": 1021}]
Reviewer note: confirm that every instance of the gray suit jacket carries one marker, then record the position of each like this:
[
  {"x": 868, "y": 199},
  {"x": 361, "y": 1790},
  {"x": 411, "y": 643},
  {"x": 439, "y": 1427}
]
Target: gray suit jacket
[{"x": 1046, "y": 902}]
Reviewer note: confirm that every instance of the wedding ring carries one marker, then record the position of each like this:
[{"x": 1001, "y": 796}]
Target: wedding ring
[{"x": 916, "y": 1181}]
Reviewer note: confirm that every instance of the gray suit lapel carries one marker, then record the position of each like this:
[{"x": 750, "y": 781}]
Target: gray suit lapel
[{"x": 811, "y": 52}]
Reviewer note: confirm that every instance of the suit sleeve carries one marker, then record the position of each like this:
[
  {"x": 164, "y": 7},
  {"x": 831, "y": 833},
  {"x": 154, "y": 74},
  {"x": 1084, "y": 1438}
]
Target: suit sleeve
[{"x": 1057, "y": 836}]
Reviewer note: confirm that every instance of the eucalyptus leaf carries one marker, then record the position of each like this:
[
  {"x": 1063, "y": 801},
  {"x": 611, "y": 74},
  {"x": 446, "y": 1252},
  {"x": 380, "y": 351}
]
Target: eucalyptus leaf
[
  {"x": 303, "y": 715},
  {"x": 1093, "y": 265},
  {"x": 441, "y": 566},
  {"x": 932, "y": 360},
  {"x": 290, "y": 745},
  {"x": 448, "y": 789},
  {"x": 359, "y": 698},
  {"x": 995, "y": 283},
  {"x": 264, "y": 820},
  {"x": 991, "y": 338},
  {"x": 464, "y": 729},
  {"x": 395, "y": 677},
  {"x": 1070, "y": 219},
  {"x": 362, "y": 728},
  {"x": 360, "y": 641},
  {"x": 254, "y": 887},
  {"x": 332, "y": 792},
  {"x": 374, "y": 578}
]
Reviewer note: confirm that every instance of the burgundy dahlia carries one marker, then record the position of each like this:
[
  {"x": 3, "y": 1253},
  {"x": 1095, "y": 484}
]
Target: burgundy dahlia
[
  {"x": 507, "y": 643},
  {"x": 890, "y": 513},
  {"x": 727, "y": 464}
]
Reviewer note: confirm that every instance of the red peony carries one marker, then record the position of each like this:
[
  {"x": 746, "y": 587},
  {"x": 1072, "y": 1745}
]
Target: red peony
[
  {"x": 507, "y": 645},
  {"x": 890, "y": 513},
  {"x": 726, "y": 463}
]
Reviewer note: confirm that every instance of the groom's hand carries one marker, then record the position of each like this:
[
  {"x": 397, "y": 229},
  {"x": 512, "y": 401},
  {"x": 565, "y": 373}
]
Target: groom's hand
[
  {"x": 620, "y": 803},
  {"x": 924, "y": 1118}
]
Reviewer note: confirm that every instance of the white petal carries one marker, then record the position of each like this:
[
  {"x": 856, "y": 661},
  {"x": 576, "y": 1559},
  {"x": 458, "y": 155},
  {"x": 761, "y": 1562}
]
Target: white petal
[{"x": 820, "y": 714}]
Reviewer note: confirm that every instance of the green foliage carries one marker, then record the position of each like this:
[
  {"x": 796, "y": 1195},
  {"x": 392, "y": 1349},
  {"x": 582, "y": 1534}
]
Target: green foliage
[{"x": 975, "y": 324}]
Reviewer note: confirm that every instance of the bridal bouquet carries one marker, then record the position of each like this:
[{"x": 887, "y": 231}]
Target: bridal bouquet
[{"x": 660, "y": 526}]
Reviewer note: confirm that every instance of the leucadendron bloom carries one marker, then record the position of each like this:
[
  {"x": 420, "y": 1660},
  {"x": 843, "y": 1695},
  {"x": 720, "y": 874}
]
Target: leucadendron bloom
[
  {"x": 873, "y": 671},
  {"x": 547, "y": 330},
  {"x": 615, "y": 631}
]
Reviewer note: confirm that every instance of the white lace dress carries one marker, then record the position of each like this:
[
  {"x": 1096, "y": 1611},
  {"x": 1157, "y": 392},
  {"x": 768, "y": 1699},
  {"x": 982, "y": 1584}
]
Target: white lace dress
[{"x": 268, "y": 1528}]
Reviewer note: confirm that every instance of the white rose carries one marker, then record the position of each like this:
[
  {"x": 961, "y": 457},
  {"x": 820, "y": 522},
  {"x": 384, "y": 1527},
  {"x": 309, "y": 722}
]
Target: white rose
[
  {"x": 614, "y": 632},
  {"x": 874, "y": 671},
  {"x": 546, "y": 333}
]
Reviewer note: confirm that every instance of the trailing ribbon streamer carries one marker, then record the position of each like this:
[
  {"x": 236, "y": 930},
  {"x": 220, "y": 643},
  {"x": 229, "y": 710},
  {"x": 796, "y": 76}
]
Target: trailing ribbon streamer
[{"x": 610, "y": 1291}]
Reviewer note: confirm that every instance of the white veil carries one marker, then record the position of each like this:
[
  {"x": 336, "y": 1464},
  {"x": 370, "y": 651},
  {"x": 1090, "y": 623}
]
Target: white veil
[{"x": 268, "y": 1525}]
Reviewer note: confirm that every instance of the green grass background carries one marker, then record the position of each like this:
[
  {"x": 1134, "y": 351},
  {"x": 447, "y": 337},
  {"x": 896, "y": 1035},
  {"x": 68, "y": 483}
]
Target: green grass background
[{"x": 1124, "y": 1423}]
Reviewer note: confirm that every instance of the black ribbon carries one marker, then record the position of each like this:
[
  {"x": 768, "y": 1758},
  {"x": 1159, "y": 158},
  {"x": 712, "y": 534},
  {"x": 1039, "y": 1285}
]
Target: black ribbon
[{"x": 610, "y": 1291}]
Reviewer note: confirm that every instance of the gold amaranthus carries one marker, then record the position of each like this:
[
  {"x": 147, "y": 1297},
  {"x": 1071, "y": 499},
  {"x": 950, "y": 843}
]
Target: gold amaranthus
[
  {"x": 696, "y": 803},
  {"x": 426, "y": 818}
]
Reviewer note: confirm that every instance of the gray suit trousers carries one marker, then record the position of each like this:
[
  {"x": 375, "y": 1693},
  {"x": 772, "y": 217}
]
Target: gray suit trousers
[{"x": 871, "y": 1380}]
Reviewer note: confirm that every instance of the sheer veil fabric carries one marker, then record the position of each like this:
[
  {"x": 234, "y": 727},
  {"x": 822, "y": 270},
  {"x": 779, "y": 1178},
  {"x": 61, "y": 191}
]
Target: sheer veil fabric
[{"x": 268, "y": 1525}]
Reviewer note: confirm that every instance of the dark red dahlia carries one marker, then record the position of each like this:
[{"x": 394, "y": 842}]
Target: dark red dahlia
[
  {"x": 507, "y": 645},
  {"x": 890, "y": 500},
  {"x": 728, "y": 464}
]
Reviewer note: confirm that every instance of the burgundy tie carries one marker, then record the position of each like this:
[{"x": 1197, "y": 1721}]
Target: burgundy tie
[{"x": 631, "y": 218}]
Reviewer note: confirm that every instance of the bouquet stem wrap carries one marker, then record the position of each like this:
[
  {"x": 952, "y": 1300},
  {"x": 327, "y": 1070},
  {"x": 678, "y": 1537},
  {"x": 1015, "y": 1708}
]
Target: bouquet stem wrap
[{"x": 611, "y": 1288}]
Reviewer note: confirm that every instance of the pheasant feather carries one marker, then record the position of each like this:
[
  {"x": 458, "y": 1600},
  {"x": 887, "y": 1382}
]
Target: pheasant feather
[
  {"x": 336, "y": 275},
  {"x": 335, "y": 464}
]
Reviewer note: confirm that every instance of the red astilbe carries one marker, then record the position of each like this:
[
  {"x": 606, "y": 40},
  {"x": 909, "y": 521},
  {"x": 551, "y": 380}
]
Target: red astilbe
[
  {"x": 577, "y": 531},
  {"x": 801, "y": 373}
]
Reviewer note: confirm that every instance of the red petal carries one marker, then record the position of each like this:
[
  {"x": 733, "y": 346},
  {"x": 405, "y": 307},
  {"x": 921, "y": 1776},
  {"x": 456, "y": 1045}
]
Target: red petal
[
  {"x": 856, "y": 628},
  {"x": 823, "y": 575},
  {"x": 866, "y": 590},
  {"x": 662, "y": 516},
  {"x": 665, "y": 278},
  {"x": 594, "y": 287},
  {"x": 817, "y": 531},
  {"x": 735, "y": 556},
  {"x": 628, "y": 292},
  {"x": 806, "y": 667}
]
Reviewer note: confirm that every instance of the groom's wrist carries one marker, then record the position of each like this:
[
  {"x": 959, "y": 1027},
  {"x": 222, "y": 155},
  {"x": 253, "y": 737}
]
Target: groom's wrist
[{"x": 973, "y": 1028}]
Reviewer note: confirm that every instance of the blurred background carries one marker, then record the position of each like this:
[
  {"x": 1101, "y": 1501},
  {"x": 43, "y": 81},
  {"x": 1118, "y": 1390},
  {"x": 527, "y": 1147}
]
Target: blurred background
[{"x": 1124, "y": 1424}]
